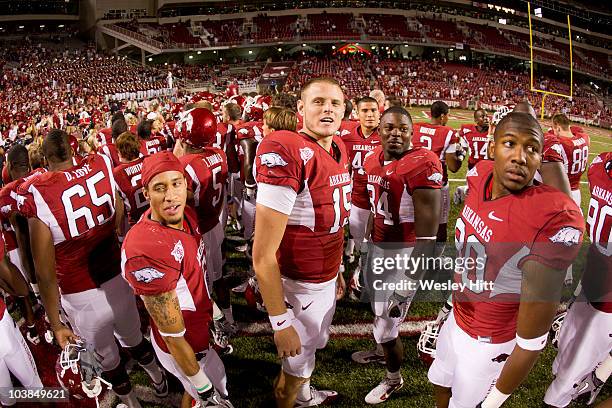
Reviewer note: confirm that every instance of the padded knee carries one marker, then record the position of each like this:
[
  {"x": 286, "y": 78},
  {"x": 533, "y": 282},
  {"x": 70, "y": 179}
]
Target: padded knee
[{"x": 143, "y": 352}]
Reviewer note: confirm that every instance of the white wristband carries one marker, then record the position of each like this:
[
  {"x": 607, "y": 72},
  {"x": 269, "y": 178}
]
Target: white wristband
[
  {"x": 532, "y": 344},
  {"x": 281, "y": 322},
  {"x": 200, "y": 381},
  {"x": 495, "y": 399}
]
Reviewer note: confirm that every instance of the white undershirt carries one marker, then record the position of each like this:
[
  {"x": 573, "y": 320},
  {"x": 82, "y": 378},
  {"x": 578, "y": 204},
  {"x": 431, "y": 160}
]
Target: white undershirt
[{"x": 279, "y": 198}]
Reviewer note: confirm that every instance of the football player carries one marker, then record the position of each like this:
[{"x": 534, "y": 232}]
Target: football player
[
  {"x": 109, "y": 149},
  {"x": 404, "y": 186},
  {"x": 303, "y": 201},
  {"x": 501, "y": 318},
  {"x": 442, "y": 140},
  {"x": 476, "y": 137},
  {"x": 15, "y": 356},
  {"x": 71, "y": 217},
  {"x": 206, "y": 174},
  {"x": 128, "y": 176},
  {"x": 360, "y": 141},
  {"x": 150, "y": 141},
  {"x": 586, "y": 335},
  {"x": 168, "y": 273},
  {"x": 575, "y": 152}
]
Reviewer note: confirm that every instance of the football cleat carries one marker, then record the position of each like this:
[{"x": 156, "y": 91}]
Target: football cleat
[
  {"x": 426, "y": 346},
  {"x": 161, "y": 389},
  {"x": 369, "y": 356},
  {"x": 555, "y": 329},
  {"x": 383, "y": 390},
  {"x": 588, "y": 389},
  {"x": 241, "y": 288},
  {"x": 317, "y": 397},
  {"x": 215, "y": 401}
]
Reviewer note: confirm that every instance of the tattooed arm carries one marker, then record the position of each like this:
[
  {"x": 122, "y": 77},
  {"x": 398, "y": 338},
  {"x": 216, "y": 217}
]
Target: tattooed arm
[{"x": 165, "y": 311}]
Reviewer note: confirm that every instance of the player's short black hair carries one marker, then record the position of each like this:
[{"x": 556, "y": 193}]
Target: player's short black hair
[
  {"x": 522, "y": 121},
  {"x": 397, "y": 110},
  {"x": 144, "y": 129},
  {"x": 56, "y": 146},
  {"x": 119, "y": 126},
  {"x": 285, "y": 100},
  {"x": 17, "y": 156},
  {"x": 439, "y": 108},
  {"x": 393, "y": 100},
  {"x": 479, "y": 110},
  {"x": 366, "y": 99},
  {"x": 117, "y": 116}
]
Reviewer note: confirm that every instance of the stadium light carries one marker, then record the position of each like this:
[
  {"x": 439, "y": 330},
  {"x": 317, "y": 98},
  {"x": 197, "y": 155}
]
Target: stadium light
[
  {"x": 150, "y": 59},
  {"x": 214, "y": 52},
  {"x": 282, "y": 72},
  {"x": 502, "y": 21},
  {"x": 250, "y": 51},
  {"x": 220, "y": 59},
  {"x": 333, "y": 47},
  {"x": 303, "y": 45},
  {"x": 191, "y": 57},
  {"x": 21, "y": 27},
  {"x": 165, "y": 63},
  {"x": 462, "y": 58},
  {"x": 406, "y": 45},
  {"x": 60, "y": 26},
  {"x": 42, "y": 26},
  {"x": 279, "y": 49},
  {"x": 199, "y": 52}
]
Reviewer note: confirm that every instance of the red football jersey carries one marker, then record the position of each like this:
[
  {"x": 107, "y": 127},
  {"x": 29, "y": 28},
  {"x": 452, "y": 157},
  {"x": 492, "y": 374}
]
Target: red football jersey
[
  {"x": 129, "y": 185},
  {"x": 174, "y": 260},
  {"x": 78, "y": 206},
  {"x": 311, "y": 248},
  {"x": 156, "y": 143},
  {"x": 222, "y": 135},
  {"x": 9, "y": 205},
  {"x": 575, "y": 155},
  {"x": 105, "y": 136},
  {"x": 391, "y": 186},
  {"x": 551, "y": 152},
  {"x": 357, "y": 147},
  {"x": 248, "y": 130},
  {"x": 597, "y": 278},
  {"x": 110, "y": 151},
  {"x": 477, "y": 142},
  {"x": 494, "y": 238},
  {"x": 206, "y": 175},
  {"x": 437, "y": 138},
  {"x": 347, "y": 126},
  {"x": 2, "y": 254}
]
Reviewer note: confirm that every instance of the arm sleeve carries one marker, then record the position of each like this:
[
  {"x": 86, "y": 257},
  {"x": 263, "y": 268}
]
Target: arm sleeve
[
  {"x": 426, "y": 175},
  {"x": 149, "y": 276},
  {"x": 279, "y": 198},
  {"x": 557, "y": 244},
  {"x": 277, "y": 166}
]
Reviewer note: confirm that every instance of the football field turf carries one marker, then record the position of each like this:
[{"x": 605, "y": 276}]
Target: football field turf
[{"x": 253, "y": 365}]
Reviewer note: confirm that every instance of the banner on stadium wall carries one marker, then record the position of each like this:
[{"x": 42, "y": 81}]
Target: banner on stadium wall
[
  {"x": 426, "y": 102},
  {"x": 459, "y": 46},
  {"x": 275, "y": 73}
]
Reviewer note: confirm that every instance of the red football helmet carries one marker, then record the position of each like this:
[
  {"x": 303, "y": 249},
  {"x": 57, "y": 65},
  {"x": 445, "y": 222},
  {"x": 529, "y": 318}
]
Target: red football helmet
[
  {"x": 254, "y": 113},
  {"x": 176, "y": 109},
  {"x": 253, "y": 296},
  {"x": 198, "y": 127},
  {"x": 79, "y": 372}
]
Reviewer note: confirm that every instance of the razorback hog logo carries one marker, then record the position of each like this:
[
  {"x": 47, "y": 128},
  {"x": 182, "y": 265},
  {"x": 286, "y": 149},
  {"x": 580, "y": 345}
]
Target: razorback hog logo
[
  {"x": 147, "y": 275},
  {"x": 501, "y": 358},
  {"x": 272, "y": 160},
  {"x": 436, "y": 178},
  {"x": 306, "y": 154},
  {"x": 567, "y": 236}
]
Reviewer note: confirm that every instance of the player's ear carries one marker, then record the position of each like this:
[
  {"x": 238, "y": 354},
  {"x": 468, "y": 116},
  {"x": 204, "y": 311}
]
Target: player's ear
[
  {"x": 300, "y": 107},
  {"x": 145, "y": 193}
]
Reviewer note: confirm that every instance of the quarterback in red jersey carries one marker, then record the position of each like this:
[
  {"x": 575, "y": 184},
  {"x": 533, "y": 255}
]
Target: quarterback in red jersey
[
  {"x": 575, "y": 152},
  {"x": 442, "y": 140},
  {"x": 206, "y": 174},
  {"x": 168, "y": 273},
  {"x": 475, "y": 137},
  {"x": 303, "y": 201},
  {"x": 128, "y": 176},
  {"x": 404, "y": 186},
  {"x": 585, "y": 339},
  {"x": 71, "y": 217},
  {"x": 515, "y": 241}
]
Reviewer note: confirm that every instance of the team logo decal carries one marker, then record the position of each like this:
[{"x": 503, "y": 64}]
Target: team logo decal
[
  {"x": 436, "y": 178},
  {"x": 272, "y": 160},
  {"x": 568, "y": 236},
  {"x": 472, "y": 173},
  {"x": 178, "y": 252},
  {"x": 306, "y": 154},
  {"x": 147, "y": 275}
]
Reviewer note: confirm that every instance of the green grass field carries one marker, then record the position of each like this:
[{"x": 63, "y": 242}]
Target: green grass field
[{"x": 253, "y": 365}]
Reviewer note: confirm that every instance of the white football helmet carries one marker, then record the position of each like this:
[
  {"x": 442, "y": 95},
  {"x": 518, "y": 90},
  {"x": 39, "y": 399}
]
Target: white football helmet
[
  {"x": 501, "y": 112},
  {"x": 426, "y": 346}
]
